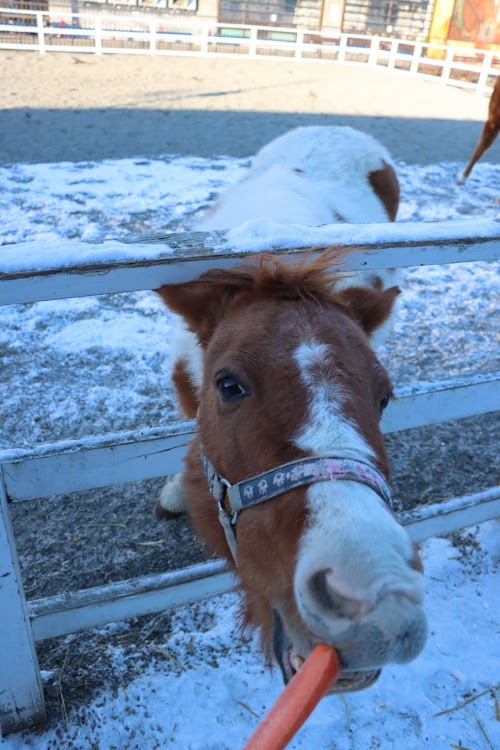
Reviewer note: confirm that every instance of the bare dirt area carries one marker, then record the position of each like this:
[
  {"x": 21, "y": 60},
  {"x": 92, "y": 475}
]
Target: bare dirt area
[{"x": 61, "y": 107}]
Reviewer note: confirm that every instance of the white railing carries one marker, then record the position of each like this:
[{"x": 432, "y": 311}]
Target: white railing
[
  {"x": 64, "y": 31},
  {"x": 103, "y": 460}
]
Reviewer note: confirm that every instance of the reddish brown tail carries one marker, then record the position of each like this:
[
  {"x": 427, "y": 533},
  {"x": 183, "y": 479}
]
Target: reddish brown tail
[
  {"x": 488, "y": 135},
  {"x": 490, "y": 130}
]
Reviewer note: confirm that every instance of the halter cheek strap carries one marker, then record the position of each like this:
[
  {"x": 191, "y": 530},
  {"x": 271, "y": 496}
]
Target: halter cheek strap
[{"x": 267, "y": 485}]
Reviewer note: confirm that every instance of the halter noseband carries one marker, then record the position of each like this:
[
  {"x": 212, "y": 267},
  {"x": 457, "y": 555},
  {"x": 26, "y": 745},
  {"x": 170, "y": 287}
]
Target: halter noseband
[{"x": 287, "y": 477}]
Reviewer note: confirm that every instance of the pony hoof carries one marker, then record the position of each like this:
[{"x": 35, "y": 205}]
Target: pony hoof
[
  {"x": 162, "y": 514},
  {"x": 461, "y": 180},
  {"x": 172, "y": 502}
]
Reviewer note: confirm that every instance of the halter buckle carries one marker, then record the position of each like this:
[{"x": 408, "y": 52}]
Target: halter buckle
[{"x": 228, "y": 522}]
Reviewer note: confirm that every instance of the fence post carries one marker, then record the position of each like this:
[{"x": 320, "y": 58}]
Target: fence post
[
  {"x": 299, "y": 44},
  {"x": 204, "y": 39},
  {"x": 152, "y": 36},
  {"x": 373, "y": 56},
  {"x": 21, "y": 692},
  {"x": 485, "y": 71},
  {"x": 98, "y": 36},
  {"x": 41, "y": 33},
  {"x": 392, "y": 54},
  {"x": 415, "y": 60},
  {"x": 252, "y": 49},
  {"x": 450, "y": 54},
  {"x": 342, "y": 48}
]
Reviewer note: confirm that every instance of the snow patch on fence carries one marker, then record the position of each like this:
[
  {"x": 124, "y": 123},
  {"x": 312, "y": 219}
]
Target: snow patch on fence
[
  {"x": 44, "y": 256},
  {"x": 253, "y": 234}
]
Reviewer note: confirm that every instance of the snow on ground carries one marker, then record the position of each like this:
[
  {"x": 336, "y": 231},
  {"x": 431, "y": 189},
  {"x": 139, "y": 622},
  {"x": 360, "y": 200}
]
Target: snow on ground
[
  {"x": 209, "y": 688},
  {"x": 79, "y": 367}
]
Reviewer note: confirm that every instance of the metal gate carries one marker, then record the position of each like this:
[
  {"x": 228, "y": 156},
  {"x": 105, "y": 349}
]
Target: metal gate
[{"x": 404, "y": 19}]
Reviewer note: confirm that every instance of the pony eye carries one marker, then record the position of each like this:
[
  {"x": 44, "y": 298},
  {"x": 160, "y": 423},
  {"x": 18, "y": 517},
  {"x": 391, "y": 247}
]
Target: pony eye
[
  {"x": 385, "y": 401},
  {"x": 231, "y": 390}
]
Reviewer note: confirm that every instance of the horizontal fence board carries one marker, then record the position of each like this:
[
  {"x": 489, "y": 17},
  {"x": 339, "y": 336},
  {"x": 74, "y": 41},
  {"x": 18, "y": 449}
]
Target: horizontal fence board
[
  {"x": 67, "y": 613},
  {"x": 452, "y": 515},
  {"x": 97, "y": 606},
  {"x": 143, "y": 454},
  {"x": 65, "y": 467},
  {"x": 440, "y": 403},
  {"x": 178, "y": 257}
]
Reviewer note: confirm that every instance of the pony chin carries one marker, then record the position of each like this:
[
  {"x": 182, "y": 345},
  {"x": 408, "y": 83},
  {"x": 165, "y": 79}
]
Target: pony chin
[{"x": 290, "y": 660}]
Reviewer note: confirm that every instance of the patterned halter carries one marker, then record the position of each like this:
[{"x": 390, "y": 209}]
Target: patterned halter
[{"x": 269, "y": 484}]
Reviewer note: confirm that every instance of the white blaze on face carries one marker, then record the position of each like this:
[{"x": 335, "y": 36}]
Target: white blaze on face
[
  {"x": 327, "y": 430},
  {"x": 186, "y": 348},
  {"x": 350, "y": 533}
]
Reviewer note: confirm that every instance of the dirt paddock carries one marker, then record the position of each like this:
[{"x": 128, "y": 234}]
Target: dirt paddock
[{"x": 59, "y": 107}]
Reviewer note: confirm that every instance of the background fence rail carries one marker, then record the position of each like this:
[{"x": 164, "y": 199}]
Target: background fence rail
[{"x": 90, "y": 32}]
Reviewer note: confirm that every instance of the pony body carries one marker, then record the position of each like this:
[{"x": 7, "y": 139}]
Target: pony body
[{"x": 313, "y": 175}]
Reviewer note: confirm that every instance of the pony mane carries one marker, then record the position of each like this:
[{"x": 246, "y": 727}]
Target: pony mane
[{"x": 309, "y": 277}]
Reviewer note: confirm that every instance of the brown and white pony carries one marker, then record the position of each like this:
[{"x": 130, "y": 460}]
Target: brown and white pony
[
  {"x": 490, "y": 131},
  {"x": 313, "y": 175},
  {"x": 310, "y": 175},
  {"x": 291, "y": 390}
]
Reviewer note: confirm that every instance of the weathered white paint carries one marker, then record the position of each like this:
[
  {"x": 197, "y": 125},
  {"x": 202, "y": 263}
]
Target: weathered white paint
[
  {"x": 374, "y": 247},
  {"x": 434, "y": 404},
  {"x": 68, "y": 466},
  {"x": 452, "y": 515},
  {"x": 68, "y": 612},
  {"x": 21, "y": 692}
]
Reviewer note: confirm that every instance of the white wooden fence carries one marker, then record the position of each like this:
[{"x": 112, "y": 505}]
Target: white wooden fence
[
  {"x": 99, "y": 461},
  {"x": 98, "y": 33}
]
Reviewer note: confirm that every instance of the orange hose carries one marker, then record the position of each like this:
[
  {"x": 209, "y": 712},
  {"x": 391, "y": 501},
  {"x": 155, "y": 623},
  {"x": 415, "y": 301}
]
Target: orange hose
[{"x": 298, "y": 700}]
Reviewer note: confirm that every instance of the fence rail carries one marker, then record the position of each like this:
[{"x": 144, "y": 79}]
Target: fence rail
[
  {"x": 74, "y": 465},
  {"x": 98, "y": 33},
  {"x": 92, "y": 462},
  {"x": 180, "y": 257},
  {"x": 68, "y": 613}
]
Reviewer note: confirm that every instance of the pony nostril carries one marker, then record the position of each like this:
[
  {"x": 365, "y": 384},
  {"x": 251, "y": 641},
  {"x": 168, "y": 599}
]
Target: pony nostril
[{"x": 330, "y": 599}]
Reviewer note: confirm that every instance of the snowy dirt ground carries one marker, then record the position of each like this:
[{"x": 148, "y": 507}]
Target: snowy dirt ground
[{"x": 72, "y": 368}]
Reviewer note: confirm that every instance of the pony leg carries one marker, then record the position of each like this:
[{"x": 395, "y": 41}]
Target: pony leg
[
  {"x": 488, "y": 135},
  {"x": 172, "y": 501}
]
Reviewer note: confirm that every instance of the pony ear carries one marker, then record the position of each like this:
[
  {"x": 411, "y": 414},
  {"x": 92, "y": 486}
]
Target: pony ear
[
  {"x": 369, "y": 306},
  {"x": 201, "y": 303}
]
